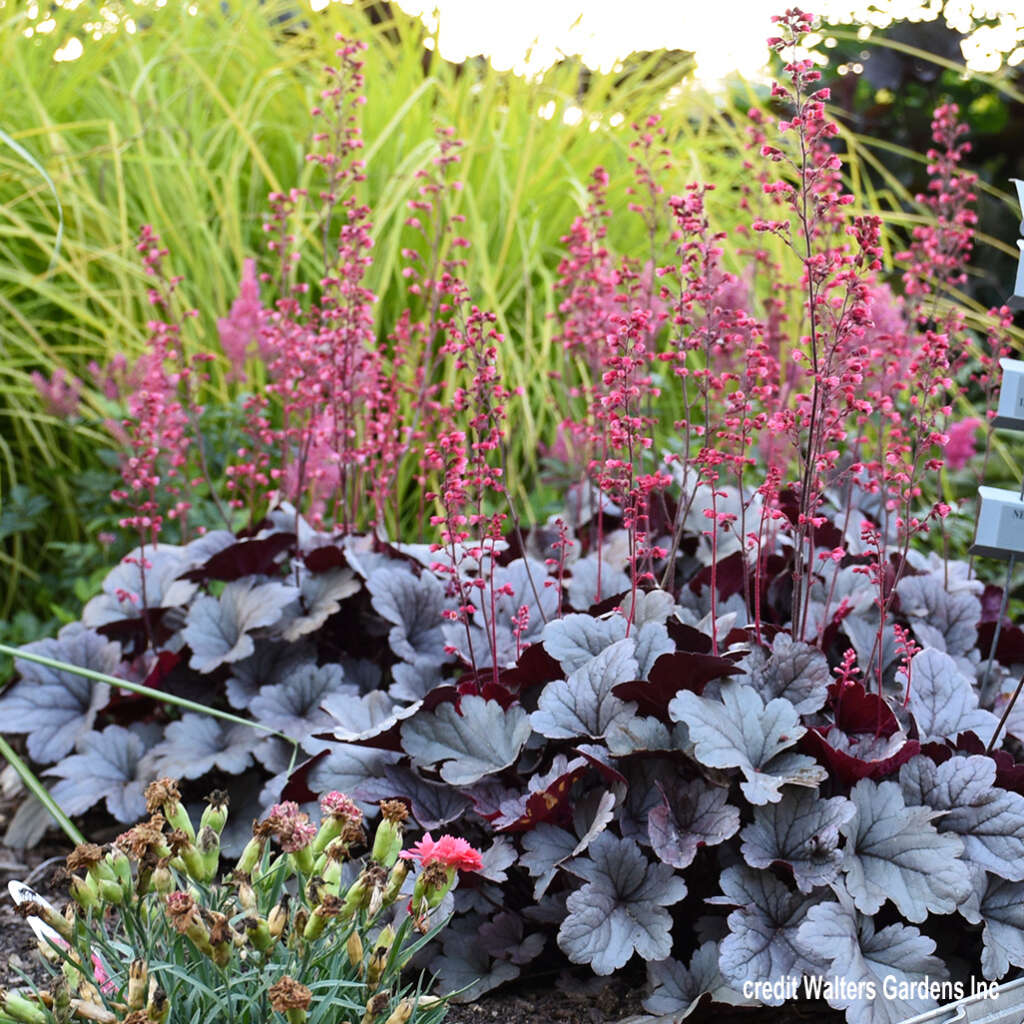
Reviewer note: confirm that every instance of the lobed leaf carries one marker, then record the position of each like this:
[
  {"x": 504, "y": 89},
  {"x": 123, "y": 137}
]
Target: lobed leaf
[
  {"x": 690, "y": 815},
  {"x": 56, "y": 708},
  {"x": 895, "y": 852},
  {"x": 740, "y": 731},
  {"x": 218, "y": 629},
  {"x": 583, "y": 704},
  {"x": 479, "y": 739},
  {"x": 620, "y": 909}
]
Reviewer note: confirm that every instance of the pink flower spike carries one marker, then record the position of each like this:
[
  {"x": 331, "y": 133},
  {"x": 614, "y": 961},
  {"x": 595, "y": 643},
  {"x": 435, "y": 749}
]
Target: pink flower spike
[
  {"x": 961, "y": 447},
  {"x": 449, "y": 851}
]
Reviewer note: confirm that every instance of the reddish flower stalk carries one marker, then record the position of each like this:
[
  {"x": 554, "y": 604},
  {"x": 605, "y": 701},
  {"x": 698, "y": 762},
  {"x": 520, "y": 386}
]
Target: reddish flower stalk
[{"x": 835, "y": 287}]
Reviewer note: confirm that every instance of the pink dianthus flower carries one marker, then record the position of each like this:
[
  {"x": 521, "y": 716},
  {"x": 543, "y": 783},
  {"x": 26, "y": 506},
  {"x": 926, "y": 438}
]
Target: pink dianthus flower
[
  {"x": 448, "y": 851},
  {"x": 338, "y": 805}
]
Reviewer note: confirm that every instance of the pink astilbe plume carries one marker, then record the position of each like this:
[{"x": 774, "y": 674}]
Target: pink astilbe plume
[
  {"x": 239, "y": 331},
  {"x": 60, "y": 393}
]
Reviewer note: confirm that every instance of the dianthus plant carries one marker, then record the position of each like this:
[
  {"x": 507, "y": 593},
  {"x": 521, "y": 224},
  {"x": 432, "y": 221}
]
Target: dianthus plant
[{"x": 299, "y": 929}]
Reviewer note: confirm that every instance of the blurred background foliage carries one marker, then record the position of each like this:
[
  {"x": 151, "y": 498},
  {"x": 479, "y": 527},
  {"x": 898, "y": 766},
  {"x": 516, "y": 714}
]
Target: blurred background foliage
[{"x": 185, "y": 119}]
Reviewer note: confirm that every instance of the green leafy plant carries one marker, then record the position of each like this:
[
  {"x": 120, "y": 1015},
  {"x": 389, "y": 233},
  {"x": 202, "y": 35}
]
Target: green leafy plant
[{"x": 298, "y": 930}]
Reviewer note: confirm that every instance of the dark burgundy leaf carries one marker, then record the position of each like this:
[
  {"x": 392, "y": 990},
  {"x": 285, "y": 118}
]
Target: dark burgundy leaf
[
  {"x": 862, "y": 719},
  {"x": 325, "y": 558},
  {"x": 551, "y": 803},
  {"x": 607, "y": 604},
  {"x": 134, "y": 634},
  {"x": 1010, "y": 650},
  {"x": 1009, "y": 773},
  {"x": 297, "y": 786},
  {"x": 687, "y": 638},
  {"x": 534, "y": 668},
  {"x": 165, "y": 661},
  {"x": 246, "y": 558},
  {"x": 857, "y": 711},
  {"x": 681, "y": 670},
  {"x": 991, "y": 602},
  {"x": 729, "y": 577}
]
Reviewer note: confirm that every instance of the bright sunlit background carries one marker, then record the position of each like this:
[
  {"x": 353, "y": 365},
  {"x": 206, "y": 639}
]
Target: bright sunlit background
[{"x": 726, "y": 35}]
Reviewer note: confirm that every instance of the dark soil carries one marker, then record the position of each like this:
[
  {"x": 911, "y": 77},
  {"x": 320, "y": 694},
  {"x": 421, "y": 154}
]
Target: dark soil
[
  {"x": 616, "y": 1000},
  {"x": 36, "y": 868}
]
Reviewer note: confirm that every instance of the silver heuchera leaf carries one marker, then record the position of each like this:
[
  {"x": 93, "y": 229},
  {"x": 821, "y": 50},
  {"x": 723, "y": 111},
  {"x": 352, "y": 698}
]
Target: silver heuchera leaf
[
  {"x": 652, "y": 641},
  {"x": 573, "y": 640},
  {"x": 895, "y": 852},
  {"x": 989, "y": 820},
  {"x": 433, "y": 805},
  {"x": 627, "y": 735},
  {"x": 484, "y": 739},
  {"x": 56, "y": 708},
  {"x": 943, "y": 700},
  {"x": 412, "y": 682},
  {"x": 320, "y": 596},
  {"x": 293, "y": 706},
  {"x": 1002, "y": 910},
  {"x": 544, "y": 849},
  {"x": 642, "y": 794},
  {"x": 197, "y": 744},
  {"x": 547, "y": 846},
  {"x": 502, "y": 937},
  {"x": 415, "y": 605},
  {"x": 690, "y": 815},
  {"x": 583, "y": 704},
  {"x": 801, "y": 830},
  {"x": 796, "y": 671},
  {"x": 217, "y": 629},
  {"x": 582, "y": 586},
  {"x": 353, "y": 719},
  {"x": 761, "y": 944},
  {"x": 497, "y": 858},
  {"x": 678, "y": 988},
  {"x": 740, "y": 731},
  {"x": 943, "y": 620},
  {"x": 464, "y": 966},
  {"x": 620, "y": 909},
  {"x": 863, "y": 963},
  {"x": 651, "y": 606},
  {"x": 346, "y": 768},
  {"x": 144, "y": 578},
  {"x": 271, "y": 663},
  {"x": 109, "y": 766},
  {"x": 524, "y": 581}
]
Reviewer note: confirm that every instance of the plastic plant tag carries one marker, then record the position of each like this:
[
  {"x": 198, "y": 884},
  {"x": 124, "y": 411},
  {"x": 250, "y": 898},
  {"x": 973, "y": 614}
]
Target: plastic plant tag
[
  {"x": 1000, "y": 523},
  {"x": 21, "y": 893},
  {"x": 987, "y": 1004},
  {"x": 1016, "y": 300},
  {"x": 1010, "y": 414}
]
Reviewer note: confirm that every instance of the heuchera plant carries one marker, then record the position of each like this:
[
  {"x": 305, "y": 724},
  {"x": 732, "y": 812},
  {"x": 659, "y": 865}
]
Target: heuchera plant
[
  {"x": 303, "y": 932},
  {"x": 724, "y": 714}
]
